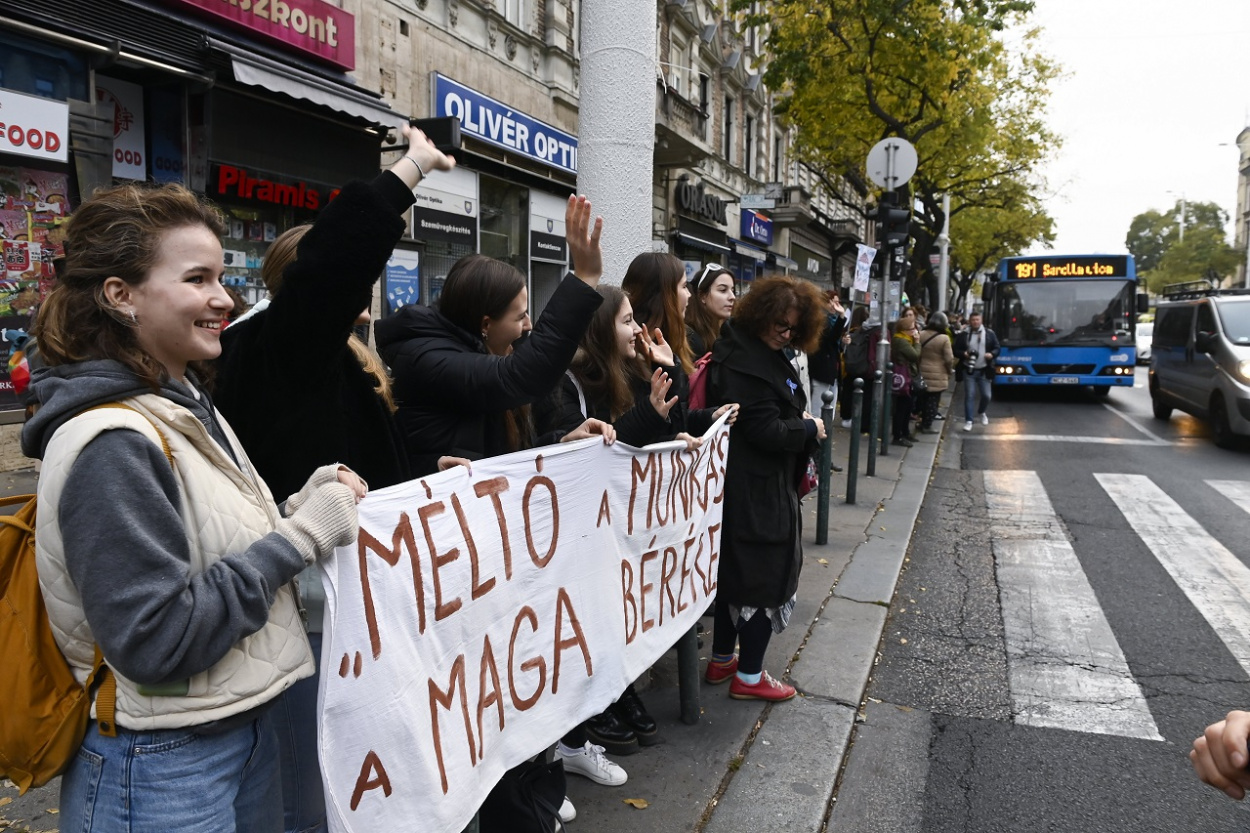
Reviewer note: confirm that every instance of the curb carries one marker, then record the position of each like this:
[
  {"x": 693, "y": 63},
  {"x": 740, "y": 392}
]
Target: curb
[{"x": 792, "y": 763}]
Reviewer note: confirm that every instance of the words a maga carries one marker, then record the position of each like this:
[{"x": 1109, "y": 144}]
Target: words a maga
[{"x": 480, "y": 616}]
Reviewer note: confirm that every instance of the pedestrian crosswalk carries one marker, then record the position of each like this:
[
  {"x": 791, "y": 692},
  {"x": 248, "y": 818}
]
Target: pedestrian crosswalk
[{"x": 1066, "y": 668}]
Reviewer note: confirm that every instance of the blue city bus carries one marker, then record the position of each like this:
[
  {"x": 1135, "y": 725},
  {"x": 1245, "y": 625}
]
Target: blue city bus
[{"x": 1065, "y": 320}]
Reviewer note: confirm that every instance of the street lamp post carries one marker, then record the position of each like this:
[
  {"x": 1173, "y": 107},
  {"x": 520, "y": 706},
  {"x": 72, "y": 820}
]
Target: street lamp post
[{"x": 1182, "y": 217}]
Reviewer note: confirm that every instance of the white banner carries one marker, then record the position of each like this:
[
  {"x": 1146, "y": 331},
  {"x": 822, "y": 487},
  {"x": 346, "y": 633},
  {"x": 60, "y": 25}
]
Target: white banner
[
  {"x": 481, "y": 616},
  {"x": 863, "y": 266},
  {"x": 33, "y": 126},
  {"x": 129, "y": 139}
]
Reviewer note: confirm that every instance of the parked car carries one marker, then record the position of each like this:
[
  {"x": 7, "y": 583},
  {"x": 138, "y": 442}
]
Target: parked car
[
  {"x": 1145, "y": 332},
  {"x": 1201, "y": 362}
]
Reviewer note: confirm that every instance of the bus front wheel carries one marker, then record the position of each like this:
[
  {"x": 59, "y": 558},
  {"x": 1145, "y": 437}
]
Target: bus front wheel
[{"x": 1102, "y": 390}]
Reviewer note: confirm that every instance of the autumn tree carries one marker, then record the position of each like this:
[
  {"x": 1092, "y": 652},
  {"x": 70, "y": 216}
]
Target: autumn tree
[
  {"x": 1162, "y": 258},
  {"x": 985, "y": 236},
  {"x": 937, "y": 73}
]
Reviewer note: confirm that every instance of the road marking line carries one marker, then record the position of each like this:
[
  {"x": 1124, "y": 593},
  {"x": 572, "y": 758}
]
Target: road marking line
[
  {"x": 1238, "y": 491},
  {"x": 1059, "y": 438},
  {"x": 1133, "y": 422},
  {"x": 1066, "y": 668},
  {"x": 1216, "y": 581}
]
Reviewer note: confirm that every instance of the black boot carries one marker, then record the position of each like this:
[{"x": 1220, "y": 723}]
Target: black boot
[
  {"x": 630, "y": 709},
  {"x": 612, "y": 733}
]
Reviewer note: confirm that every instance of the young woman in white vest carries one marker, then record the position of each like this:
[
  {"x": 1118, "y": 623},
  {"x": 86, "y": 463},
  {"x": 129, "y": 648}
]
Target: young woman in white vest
[{"x": 157, "y": 540}]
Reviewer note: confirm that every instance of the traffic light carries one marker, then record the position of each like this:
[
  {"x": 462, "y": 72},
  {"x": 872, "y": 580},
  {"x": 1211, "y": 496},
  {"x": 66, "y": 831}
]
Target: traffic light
[{"x": 895, "y": 226}]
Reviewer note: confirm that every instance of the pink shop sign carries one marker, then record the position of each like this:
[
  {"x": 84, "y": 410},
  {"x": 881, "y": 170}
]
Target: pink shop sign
[{"x": 310, "y": 26}]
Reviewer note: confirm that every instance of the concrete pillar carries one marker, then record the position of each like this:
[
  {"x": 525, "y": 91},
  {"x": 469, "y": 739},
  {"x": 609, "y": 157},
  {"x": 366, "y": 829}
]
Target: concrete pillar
[{"x": 616, "y": 124}]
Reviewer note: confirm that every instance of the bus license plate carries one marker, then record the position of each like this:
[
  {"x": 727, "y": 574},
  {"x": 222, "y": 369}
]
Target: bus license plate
[{"x": 1065, "y": 380}]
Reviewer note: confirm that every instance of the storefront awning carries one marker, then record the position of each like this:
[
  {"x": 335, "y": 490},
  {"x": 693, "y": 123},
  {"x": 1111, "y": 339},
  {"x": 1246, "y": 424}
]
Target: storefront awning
[
  {"x": 749, "y": 251},
  {"x": 258, "y": 71},
  {"x": 700, "y": 243},
  {"x": 782, "y": 261}
]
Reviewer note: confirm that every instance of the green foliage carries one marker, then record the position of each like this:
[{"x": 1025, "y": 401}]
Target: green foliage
[
  {"x": 934, "y": 72},
  {"x": 1163, "y": 258}
]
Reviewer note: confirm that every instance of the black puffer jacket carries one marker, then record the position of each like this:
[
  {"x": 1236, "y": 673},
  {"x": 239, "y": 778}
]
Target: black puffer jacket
[
  {"x": 286, "y": 380},
  {"x": 761, "y": 547},
  {"x": 453, "y": 395}
]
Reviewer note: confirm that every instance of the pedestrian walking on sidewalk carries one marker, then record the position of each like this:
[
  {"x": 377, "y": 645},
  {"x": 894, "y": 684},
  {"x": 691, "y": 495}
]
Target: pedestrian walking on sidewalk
[
  {"x": 761, "y": 546},
  {"x": 905, "y": 354},
  {"x": 157, "y": 540},
  {"x": 976, "y": 349},
  {"x": 937, "y": 361},
  {"x": 303, "y": 390}
]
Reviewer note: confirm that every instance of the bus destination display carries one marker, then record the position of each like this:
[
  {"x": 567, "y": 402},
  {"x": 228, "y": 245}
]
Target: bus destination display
[{"x": 1085, "y": 266}]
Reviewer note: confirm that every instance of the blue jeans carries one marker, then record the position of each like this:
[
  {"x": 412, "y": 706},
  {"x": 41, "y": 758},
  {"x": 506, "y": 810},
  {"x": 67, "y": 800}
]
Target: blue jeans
[
  {"x": 974, "y": 383},
  {"x": 295, "y": 723},
  {"x": 174, "y": 779}
]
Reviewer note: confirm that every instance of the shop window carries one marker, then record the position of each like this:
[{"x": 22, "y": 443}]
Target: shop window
[
  {"x": 505, "y": 222},
  {"x": 42, "y": 70}
]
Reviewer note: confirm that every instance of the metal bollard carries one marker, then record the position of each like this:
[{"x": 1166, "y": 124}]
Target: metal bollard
[
  {"x": 887, "y": 409},
  {"x": 688, "y": 676},
  {"x": 826, "y": 469},
  {"x": 852, "y": 462},
  {"x": 873, "y": 422}
]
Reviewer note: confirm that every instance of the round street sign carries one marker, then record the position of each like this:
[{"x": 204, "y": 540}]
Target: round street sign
[{"x": 892, "y": 162}]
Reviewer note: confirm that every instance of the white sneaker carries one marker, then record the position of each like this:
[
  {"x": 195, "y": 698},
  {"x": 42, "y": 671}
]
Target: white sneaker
[
  {"x": 985, "y": 419},
  {"x": 846, "y": 423},
  {"x": 567, "y": 811},
  {"x": 590, "y": 762},
  {"x": 968, "y": 425}
]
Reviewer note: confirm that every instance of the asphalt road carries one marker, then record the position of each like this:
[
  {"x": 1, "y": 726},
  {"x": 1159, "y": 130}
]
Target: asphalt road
[{"x": 1074, "y": 611}]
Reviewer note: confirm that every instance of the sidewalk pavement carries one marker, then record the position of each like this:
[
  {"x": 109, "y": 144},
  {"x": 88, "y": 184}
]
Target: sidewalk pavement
[
  {"x": 750, "y": 766},
  {"x": 745, "y": 765}
]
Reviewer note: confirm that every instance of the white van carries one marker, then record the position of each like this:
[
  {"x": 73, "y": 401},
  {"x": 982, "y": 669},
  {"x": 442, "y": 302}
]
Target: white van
[{"x": 1201, "y": 359}]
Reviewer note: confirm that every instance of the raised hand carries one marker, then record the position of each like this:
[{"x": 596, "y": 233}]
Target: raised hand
[
  {"x": 583, "y": 238},
  {"x": 1220, "y": 756},
  {"x": 692, "y": 443},
  {"x": 655, "y": 348},
  {"x": 446, "y": 462},
  {"x": 421, "y": 155},
  {"x": 590, "y": 428},
  {"x": 732, "y": 409},
  {"x": 660, "y": 383}
]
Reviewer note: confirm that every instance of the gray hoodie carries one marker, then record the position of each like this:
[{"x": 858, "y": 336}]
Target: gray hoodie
[{"x": 126, "y": 545}]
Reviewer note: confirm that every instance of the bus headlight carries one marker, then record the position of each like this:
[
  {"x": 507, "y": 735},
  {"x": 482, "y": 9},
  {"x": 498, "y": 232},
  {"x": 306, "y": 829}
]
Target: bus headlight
[{"x": 1243, "y": 369}]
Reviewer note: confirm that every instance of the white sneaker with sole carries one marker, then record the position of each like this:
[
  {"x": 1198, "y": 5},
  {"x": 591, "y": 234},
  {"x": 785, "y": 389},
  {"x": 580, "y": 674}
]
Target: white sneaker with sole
[
  {"x": 589, "y": 762},
  {"x": 846, "y": 423},
  {"x": 968, "y": 425},
  {"x": 567, "y": 811},
  {"x": 985, "y": 419}
]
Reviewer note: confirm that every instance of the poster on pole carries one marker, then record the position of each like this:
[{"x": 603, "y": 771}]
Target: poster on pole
[
  {"x": 482, "y": 615},
  {"x": 863, "y": 266}
]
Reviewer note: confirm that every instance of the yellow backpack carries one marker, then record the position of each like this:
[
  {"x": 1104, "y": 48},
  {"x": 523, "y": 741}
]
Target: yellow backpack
[{"x": 45, "y": 712}]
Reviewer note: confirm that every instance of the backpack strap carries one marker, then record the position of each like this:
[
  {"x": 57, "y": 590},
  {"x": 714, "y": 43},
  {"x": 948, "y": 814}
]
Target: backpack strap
[{"x": 106, "y": 693}]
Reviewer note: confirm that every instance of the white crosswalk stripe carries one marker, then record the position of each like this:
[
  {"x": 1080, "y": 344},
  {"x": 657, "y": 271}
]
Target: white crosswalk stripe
[
  {"x": 1067, "y": 670},
  {"x": 1216, "y": 582},
  {"x": 1238, "y": 491}
]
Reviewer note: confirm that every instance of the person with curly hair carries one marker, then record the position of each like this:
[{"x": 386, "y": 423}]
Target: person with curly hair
[{"x": 761, "y": 546}]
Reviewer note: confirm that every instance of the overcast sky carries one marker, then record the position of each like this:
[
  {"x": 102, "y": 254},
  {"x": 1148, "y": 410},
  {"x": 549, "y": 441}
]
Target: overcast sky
[{"x": 1151, "y": 90}]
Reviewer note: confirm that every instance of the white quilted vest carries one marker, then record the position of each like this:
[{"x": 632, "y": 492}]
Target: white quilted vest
[{"x": 225, "y": 508}]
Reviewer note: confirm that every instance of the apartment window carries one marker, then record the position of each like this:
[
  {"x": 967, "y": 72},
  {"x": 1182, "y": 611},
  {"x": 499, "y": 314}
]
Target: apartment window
[
  {"x": 727, "y": 135},
  {"x": 705, "y": 92},
  {"x": 748, "y": 147},
  {"x": 514, "y": 11},
  {"x": 777, "y": 150}
]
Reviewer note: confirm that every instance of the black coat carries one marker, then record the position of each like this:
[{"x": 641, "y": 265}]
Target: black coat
[
  {"x": 562, "y": 411},
  {"x": 761, "y": 547},
  {"x": 454, "y": 396},
  {"x": 961, "y": 347},
  {"x": 825, "y": 365},
  {"x": 286, "y": 380}
]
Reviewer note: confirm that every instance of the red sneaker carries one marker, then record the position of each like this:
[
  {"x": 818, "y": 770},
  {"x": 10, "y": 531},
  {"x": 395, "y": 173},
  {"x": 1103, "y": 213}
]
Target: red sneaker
[
  {"x": 766, "y": 689},
  {"x": 718, "y": 673}
]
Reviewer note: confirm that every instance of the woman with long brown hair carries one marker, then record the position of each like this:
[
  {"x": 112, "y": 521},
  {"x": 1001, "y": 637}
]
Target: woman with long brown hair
[
  {"x": 158, "y": 541},
  {"x": 656, "y": 285},
  {"x": 761, "y": 544},
  {"x": 711, "y": 304}
]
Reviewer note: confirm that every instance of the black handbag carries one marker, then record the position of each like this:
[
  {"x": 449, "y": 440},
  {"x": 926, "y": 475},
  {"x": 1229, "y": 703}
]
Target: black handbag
[{"x": 527, "y": 799}]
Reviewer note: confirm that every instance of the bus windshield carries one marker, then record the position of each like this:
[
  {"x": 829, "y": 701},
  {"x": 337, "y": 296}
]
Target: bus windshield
[{"x": 1065, "y": 312}]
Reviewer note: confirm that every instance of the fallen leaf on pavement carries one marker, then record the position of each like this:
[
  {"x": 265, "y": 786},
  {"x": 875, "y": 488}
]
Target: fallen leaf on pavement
[
  {"x": 822, "y": 560},
  {"x": 6, "y": 800},
  {"x": 637, "y": 803}
]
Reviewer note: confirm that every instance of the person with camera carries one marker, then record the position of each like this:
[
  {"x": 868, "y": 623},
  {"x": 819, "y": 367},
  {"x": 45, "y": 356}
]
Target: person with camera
[{"x": 976, "y": 348}]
